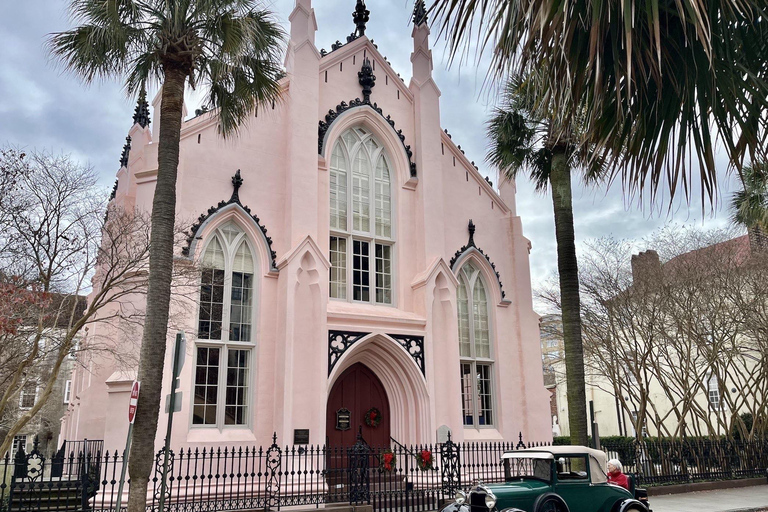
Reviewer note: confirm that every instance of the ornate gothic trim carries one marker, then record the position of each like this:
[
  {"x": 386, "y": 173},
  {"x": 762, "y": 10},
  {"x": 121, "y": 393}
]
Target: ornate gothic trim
[
  {"x": 332, "y": 115},
  {"x": 237, "y": 182},
  {"x": 419, "y": 13},
  {"x": 471, "y": 245},
  {"x": 414, "y": 345},
  {"x": 341, "y": 341},
  {"x": 126, "y": 152},
  {"x": 141, "y": 113}
]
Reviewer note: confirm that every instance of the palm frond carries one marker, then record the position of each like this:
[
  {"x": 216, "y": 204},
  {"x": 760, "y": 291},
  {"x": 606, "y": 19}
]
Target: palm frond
[{"x": 661, "y": 82}]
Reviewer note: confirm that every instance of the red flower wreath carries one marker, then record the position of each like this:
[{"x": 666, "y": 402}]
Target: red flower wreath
[
  {"x": 424, "y": 460},
  {"x": 387, "y": 461},
  {"x": 372, "y": 417}
]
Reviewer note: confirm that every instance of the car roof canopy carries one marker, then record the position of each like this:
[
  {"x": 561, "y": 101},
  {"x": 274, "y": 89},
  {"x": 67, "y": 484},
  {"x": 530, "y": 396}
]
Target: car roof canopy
[{"x": 597, "y": 458}]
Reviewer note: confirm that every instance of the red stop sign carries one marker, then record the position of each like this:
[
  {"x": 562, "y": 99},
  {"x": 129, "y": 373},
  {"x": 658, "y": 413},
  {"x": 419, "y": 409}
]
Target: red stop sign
[{"x": 134, "y": 401}]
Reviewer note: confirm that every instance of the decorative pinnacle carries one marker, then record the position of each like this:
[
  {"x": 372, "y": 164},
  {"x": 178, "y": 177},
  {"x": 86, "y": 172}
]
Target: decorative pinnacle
[
  {"x": 471, "y": 227},
  {"x": 367, "y": 79},
  {"x": 419, "y": 13},
  {"x": 141, "y": 114},
  {"x": 360, "y": 16},
  {"x": 237, "y": 182},
  {"x": 126, "y": 152}
]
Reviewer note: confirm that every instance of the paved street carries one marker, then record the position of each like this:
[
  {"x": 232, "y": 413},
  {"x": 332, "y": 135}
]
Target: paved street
[{"x": 749, "y": 498}]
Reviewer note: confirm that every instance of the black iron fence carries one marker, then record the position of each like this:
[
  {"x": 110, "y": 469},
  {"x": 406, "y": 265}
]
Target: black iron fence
[
  {"x": 396, "y": 478},
  {"x": 665, "y": 461}
]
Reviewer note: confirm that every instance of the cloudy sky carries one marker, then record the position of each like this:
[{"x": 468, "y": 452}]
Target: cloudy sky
[{"x": 40, "y": 107}]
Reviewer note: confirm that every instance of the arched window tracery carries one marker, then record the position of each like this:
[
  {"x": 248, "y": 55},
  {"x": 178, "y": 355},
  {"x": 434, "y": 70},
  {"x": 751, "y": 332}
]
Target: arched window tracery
[
  {"x": 224, "y": 349},
  {"x": 361, "y": 220},
  {"x": 475, "y": 352}
]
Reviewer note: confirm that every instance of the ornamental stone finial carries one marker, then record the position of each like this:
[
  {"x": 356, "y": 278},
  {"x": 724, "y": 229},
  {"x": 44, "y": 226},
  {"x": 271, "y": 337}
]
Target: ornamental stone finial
[
  {"x": 367, "y": 79},
  {"x": 471, "y": 227},
  {"x": 360, "y": 16},
  {"x": 237, "y": 182},
  {"x": 419, "y": 13},
  {"x": 141, "y": 113}
]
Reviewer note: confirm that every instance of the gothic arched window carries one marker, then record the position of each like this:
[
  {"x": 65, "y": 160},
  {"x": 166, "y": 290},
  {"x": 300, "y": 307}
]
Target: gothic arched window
[
  {"x": 361, "y": 245},
  {"x": 225, "y": 331},
  {"x": 475, "y": 348}
]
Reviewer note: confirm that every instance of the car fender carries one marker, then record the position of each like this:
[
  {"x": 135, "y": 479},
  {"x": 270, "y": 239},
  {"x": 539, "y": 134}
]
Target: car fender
[
  {"x": 545, "y": 496},
  {"x": 623, "y": 505},
  {"x": 455, "y": 507},
  {"x": 512, "y": 510}
]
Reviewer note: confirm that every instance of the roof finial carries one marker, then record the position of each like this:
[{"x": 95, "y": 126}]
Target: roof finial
[
  {"x": 471, "y": 227},
  {"x": 126, "y": 152},
  {"x": 360, "y": 17},
  {"x": 419, "y": 13},
  {"x": 237, "y": 182},
  {"x": 141, "y": 114},
  {"x": 367, "y": 79}
]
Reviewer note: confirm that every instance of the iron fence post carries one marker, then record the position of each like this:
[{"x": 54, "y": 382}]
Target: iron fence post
[
  {"x": 274, "y": 462},
  {"x": 84, "y": 464},
  {"x": 451, "y": 462},
  {"x": 359, "y": 464}
]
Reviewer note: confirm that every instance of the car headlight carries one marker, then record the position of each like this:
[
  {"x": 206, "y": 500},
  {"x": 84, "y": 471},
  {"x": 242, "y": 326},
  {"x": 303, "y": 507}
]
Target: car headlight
[
  {"x": 490, "y": 500},
  {"x": 460, "y": 497}
]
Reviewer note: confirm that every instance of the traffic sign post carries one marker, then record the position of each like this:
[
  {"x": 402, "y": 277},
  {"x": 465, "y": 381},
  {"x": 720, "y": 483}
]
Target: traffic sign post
[
  {"x": 132, "y": 405},
  {"x": 179, "y": 354}
]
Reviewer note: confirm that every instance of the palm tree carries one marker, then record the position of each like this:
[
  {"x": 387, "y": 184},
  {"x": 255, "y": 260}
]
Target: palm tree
[
  {"x": 749, "y": 206},
  {"x": 526, "y": 135},
  {"x": 658, "y": 81},
  {"x": 229, "y": 47},
  {"x": 654, "y": 83}
]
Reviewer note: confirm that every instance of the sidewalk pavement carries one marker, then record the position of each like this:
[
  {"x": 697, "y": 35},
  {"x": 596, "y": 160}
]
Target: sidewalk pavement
[{"x": 745, "y": 499}]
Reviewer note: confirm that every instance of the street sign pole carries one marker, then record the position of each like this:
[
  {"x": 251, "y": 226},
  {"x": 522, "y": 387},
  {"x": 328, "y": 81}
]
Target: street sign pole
[
  {"x": 179, "y": 354},
  {"x": 131, "y": 416}
]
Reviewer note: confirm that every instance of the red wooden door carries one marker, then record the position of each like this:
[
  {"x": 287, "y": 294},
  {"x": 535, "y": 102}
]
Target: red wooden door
[{"x": 357, "y": 390}]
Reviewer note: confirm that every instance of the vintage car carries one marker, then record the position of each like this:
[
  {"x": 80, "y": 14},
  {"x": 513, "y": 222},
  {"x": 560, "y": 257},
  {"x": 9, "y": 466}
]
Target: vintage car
[{"x": 552, "y": 479}]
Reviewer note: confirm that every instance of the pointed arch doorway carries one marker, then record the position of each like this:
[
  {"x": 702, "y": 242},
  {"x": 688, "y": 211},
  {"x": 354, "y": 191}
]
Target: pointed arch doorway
[{"x": 355, "y": 392}]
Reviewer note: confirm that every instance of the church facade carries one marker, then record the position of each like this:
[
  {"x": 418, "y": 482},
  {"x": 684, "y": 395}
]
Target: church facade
[{"x": 356, "y": 270}]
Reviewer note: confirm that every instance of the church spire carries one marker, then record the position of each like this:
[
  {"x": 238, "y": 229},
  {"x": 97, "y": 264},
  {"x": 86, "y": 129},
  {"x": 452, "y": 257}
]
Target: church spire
[
  {"x": 419, "y": 13},
  {"x": 141, "y": 113}
]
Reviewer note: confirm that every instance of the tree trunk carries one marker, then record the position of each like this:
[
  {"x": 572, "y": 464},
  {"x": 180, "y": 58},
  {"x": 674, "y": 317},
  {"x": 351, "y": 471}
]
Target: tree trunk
[
  {"x": 154, "y": 339},
  {"x": 758, "y": 241},
  {"x": 560, "y": 179}
]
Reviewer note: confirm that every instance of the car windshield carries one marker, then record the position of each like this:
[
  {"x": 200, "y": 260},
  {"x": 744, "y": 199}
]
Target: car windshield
[{"x": 528, "y": 467}]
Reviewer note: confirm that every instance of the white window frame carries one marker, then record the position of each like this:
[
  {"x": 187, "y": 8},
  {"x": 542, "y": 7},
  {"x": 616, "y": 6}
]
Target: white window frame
[
  {"x": 21, "y": 396},
  {"x": 67, "y": 392},
  {"x": 21, "y": 438},
  {"x": 472, "y": 359},
  {"x": 709, "y": 384},
  {"x": 351, "y": 235},
  {"x": 221, "y": 387},
  {"x": 224, "y": 344}
]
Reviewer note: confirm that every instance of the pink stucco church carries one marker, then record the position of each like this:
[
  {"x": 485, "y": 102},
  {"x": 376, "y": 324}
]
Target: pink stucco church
[{"x": 353, "y": 261}]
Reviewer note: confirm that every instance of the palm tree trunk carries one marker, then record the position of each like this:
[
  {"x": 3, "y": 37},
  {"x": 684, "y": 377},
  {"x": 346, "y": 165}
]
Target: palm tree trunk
[
  {"x": 758, "y": 241},
  {"x": 159, "y": 290},
  {"x": 560, "y": 179}
]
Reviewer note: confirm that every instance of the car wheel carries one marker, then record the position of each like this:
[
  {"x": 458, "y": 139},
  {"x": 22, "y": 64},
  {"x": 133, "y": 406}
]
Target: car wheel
[{"x": 550, "y": 505}]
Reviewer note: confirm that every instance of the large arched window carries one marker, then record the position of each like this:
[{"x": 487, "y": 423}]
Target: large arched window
[
  {"x": 475, "y": 349},
  {"x": 225, "y": 331},
  {"x": 362, "y": 239}
]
